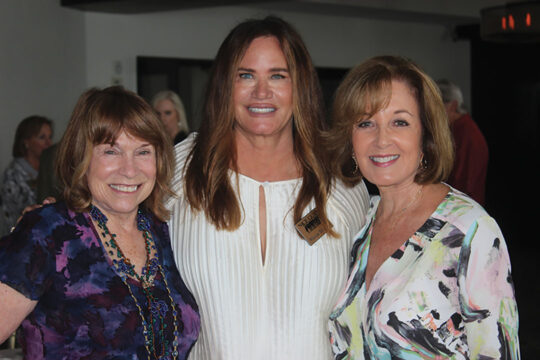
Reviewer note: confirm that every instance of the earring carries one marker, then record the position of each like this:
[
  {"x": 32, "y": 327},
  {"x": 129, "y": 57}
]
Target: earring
[
  {"x": 355, "y": 171},
  {"x": 423, "y": 165}
]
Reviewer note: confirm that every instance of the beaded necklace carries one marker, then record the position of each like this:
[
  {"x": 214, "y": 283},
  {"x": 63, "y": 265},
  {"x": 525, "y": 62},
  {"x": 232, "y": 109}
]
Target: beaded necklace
[{"x": 157, "y": 309}]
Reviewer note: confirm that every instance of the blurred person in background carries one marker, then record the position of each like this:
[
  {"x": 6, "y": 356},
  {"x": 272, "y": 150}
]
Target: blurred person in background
[
  {"x": 172, "y": 113},
  {"x": 33, "y": 135},
  {"x": 471, "y": 150}
]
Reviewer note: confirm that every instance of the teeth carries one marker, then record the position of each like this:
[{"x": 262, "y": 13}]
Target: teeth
[
  {"x": 261, "y": 110},
  {"x": 124, "y": 188},
  {"x": 383, "y": 159}
]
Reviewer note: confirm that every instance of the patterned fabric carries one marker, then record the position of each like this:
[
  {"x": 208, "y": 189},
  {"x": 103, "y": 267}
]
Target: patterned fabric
[
  {"x": 84, "y": 309},
  {"x": 18, "y": 191},
  {"x": 446, "y": 293}
]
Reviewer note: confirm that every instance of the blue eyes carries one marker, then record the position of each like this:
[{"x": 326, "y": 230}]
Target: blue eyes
[{"x": 250, "y": 76}]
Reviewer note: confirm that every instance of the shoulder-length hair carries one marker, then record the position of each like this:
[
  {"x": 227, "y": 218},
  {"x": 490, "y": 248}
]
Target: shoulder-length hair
[
  {"x": 178, "y": 105},
  {"x": 99, "y": 117},
  {"x": 207, "y": 182},
  {"x": 367, "y": 89},
  {"x": 26, "y": 129}
]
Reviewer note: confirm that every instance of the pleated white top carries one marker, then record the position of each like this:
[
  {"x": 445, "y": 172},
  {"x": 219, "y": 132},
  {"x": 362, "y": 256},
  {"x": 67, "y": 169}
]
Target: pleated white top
[{"x": 278, "y": 309}]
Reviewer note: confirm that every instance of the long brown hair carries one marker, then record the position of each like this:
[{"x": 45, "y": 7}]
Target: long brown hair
[
  {"x": 207, "y": 182},
  {"x": 366, "y": 89},
  {"x": 99, "y": 117}
]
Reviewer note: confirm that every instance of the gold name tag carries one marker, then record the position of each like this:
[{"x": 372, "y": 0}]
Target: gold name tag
[{"x": 310, "y": 227}]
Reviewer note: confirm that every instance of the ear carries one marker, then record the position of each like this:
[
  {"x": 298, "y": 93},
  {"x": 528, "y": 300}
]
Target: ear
[{"x": 453, "y": 106}]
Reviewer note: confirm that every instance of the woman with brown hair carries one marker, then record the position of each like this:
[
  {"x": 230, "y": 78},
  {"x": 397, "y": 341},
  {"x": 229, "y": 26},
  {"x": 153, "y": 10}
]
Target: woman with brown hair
[
  {"x": 94, "y": 276},
  {"x": 261, "y": 233},
  {"x": 431, "y": 275}
]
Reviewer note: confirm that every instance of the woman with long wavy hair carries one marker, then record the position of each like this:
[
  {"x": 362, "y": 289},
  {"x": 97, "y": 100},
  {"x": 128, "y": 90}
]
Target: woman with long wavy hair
[{"x": 261, "y": 233}]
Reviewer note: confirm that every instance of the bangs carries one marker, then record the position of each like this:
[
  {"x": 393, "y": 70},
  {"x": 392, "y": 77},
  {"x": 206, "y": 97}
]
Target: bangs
[
  {"x": 118, "y": 116},
  {"x": 366, "y": 97},
  {"x": 374, "y": 97}
]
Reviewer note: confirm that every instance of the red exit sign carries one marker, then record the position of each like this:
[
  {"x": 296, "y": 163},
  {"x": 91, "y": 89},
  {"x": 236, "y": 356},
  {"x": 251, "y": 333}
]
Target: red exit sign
[{"x": 514, "y": 21}]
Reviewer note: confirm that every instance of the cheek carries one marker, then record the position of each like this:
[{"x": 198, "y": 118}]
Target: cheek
[{"x": 359, "y": 143}]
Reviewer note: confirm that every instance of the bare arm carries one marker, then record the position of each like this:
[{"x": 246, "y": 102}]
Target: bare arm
[{"x": 14, "y": 307}]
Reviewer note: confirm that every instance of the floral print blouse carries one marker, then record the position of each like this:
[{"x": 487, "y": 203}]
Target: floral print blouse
[
  {"x": 446, "y": 293},
  {"x": 18, "y": 191},
  {"x": 84, "y": 309}
]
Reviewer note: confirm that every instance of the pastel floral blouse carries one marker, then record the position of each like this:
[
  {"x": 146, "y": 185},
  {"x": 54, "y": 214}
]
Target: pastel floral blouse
[
  {"x": 84, "y": 309},
  {"x": 446, "y": 293}
]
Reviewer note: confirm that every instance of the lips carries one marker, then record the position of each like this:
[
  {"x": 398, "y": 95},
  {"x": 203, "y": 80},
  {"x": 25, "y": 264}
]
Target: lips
[
  {"x": 261, "y": 109},
  {"x": 124, "y": 188},
  {"x": 384, "y": 160}
]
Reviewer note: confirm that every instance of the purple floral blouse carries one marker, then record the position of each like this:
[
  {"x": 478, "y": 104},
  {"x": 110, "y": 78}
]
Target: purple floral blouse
[{"x": 84, "y": 310}]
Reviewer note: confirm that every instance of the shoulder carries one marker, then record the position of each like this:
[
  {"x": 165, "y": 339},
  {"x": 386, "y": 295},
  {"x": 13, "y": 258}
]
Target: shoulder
[
  {"x": 462, "y": 211},
  {"x": 351, "y": 203},
  {"x": 181, "y": 153},
  {"x": 14, "y": 167},
  {"x": 182, "y": 150},
  {"x": 48, "y": 217}
]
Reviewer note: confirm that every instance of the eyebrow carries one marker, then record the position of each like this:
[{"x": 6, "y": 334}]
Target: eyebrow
[
  {"x": 403, "y": 111},
  {"x": 271, "y": 70}
]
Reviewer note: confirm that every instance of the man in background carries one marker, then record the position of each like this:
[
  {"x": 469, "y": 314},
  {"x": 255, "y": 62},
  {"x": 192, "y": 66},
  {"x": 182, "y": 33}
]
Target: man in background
[{"x": 471, "y": 161}]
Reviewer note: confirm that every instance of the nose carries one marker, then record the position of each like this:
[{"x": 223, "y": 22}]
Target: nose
[
  {"x": 383, "y": 137},
  {"x": 262, "y": 89},
  {"x": 128, "y": 167}
]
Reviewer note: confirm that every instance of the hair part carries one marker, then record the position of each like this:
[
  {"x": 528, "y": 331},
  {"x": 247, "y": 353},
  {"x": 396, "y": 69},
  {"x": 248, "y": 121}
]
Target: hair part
[
  {"x": 207, "y": 184},
  {"x": 174, "y": 98},
  {"x": 99, "y": 117},
  {"x": 28, "y": 128},
  {"x": 367, "y": 89}
]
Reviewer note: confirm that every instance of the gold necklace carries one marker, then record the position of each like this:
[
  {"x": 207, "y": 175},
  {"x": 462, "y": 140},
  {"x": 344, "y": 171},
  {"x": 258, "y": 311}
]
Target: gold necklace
[{"x": 402, "y": 211}]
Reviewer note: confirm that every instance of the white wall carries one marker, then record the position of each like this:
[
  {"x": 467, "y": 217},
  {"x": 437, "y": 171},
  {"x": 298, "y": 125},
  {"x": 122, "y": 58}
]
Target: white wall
[
  {"x": 42, "y": 65},
  {"x": 332, "y": 40},
  {"x": 51, "y": 54}
]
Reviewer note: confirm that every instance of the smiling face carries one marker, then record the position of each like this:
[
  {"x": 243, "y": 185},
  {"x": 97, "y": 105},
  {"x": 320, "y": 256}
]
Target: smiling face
[
  {"x": 263, "y": 94},
  {"x": 169, "y": 116},
  {"x": 387, "y": 145},
  {"x": 39, "y": 142},
  {"x": 121, "y": 176}
]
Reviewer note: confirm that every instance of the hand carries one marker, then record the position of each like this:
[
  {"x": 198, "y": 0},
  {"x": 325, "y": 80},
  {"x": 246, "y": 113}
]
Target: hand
[{"x": 47, "y": 200}]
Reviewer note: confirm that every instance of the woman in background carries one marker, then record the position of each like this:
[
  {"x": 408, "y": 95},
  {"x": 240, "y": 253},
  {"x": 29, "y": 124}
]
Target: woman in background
[
  {"x": 93, "y": 277},
  {"x": 33, "y": 135},
  {"x": 171, "y": 112},
  {"x": 431, "y": 273}
]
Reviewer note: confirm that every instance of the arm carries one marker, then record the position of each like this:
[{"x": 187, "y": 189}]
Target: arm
[
  {"x": 14, "y": 307},
  {"x": 486, "y": 291}
]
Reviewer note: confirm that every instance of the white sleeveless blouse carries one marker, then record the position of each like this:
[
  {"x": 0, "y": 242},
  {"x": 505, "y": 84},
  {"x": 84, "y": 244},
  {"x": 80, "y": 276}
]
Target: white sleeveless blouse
[{"x": 276, "y": 310}]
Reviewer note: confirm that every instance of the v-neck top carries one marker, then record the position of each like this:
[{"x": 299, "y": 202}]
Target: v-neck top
[
  {"x": 446, "y": 292},
  {"x": 275, "y": 310}
]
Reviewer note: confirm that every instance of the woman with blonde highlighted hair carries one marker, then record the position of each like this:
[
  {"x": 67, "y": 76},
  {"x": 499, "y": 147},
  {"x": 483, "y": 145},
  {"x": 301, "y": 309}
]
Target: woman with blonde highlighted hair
[
  {"x": 430, "y": 277},
  {"x": 261, "y": 232},
  {"x": 170, "y": 110}
]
